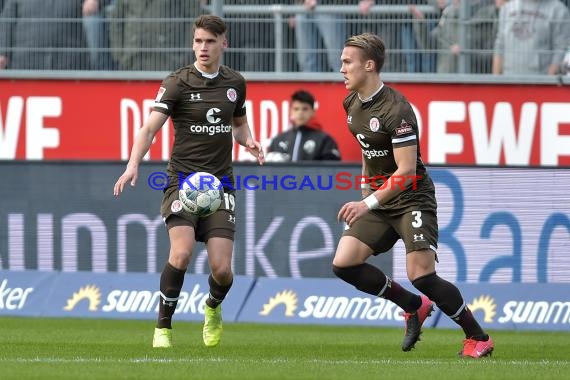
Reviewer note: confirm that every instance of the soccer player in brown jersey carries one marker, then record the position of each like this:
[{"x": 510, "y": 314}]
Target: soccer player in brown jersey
[
  {"x": 206, "y": 101},
  {"x": 401, "y": 207}
]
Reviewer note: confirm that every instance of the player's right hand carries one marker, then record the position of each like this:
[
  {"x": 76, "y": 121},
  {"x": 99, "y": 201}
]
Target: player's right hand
[{"x": 130, "y": 174}]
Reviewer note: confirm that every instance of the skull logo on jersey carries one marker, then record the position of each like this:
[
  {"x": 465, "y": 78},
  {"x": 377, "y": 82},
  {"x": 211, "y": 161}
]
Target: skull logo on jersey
[
  {"x": 374, "y": 124},
  {"x": 232, "y": 94}
]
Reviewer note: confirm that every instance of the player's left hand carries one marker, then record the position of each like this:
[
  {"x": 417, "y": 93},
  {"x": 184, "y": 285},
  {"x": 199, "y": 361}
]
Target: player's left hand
[
  {"x": 352, "y": 211},
  {"x": 255, "y": 149}
]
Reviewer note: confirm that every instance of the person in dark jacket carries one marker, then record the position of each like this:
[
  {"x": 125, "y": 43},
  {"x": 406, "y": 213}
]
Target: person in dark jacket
[{"x": 305, "y": 141}]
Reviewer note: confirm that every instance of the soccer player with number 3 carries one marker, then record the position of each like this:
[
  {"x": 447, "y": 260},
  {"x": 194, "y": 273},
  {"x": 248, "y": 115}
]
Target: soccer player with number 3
[
  {"x": 385, "y": 126},
  {"x": 206, "y": 101}
]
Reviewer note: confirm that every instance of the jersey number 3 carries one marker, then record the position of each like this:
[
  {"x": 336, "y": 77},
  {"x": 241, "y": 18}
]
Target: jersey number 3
[{"x": 417, "y": 223}]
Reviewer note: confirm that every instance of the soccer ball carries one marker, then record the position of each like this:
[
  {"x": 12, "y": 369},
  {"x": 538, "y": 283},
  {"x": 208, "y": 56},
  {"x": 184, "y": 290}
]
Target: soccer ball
[{"x": 201, "y": 194}]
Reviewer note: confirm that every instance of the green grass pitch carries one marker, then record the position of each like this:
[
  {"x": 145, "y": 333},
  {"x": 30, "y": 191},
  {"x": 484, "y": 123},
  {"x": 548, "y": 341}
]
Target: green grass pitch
[{"x": 38, "y": 348}]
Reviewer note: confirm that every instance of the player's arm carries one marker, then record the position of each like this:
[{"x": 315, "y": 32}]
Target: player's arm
[
  {"x": 364, "y": 187},
  {"x": 405, "y": 158},
  {"x": 140, "y": 147},
  {"x": 242, "y": 134}
]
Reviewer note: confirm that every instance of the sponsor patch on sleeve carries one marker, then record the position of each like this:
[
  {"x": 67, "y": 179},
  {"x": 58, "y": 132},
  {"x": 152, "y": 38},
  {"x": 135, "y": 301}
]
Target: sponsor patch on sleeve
[{"x": 404, "y": 128}]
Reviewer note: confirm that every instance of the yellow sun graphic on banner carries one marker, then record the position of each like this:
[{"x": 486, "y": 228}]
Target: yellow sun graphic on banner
[
  {"x": 91, "y": 292},
  {"x": 487, "y": 304},
  {"x": 286, "y": 297}
]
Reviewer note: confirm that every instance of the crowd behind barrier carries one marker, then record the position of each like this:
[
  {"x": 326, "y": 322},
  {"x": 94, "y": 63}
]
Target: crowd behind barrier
[{"x": 510, "y": 37}]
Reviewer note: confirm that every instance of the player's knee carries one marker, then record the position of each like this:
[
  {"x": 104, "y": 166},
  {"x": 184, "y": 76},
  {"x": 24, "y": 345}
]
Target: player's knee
[
  {"x": 222, "y": 275},
  {"x": 179, "y": 258},
  {"x": 348, "y": 274},
  {"x": 425, "y": 283},
  {"x": 337, "y": 271}
]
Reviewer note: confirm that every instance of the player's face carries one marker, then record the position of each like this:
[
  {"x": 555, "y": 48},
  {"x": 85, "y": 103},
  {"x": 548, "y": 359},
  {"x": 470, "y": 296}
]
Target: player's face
[
  {"x": 353, "y": 68},
  {"x": 300, "y": 113},
  {"x": 208, "y": 49}
]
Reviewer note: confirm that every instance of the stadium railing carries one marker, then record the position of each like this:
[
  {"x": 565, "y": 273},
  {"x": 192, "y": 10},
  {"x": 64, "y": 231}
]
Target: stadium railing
[{"x": 262, "y": 45}]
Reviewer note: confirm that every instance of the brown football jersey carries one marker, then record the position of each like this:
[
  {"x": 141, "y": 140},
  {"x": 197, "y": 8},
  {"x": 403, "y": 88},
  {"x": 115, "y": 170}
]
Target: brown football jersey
[
  {"x": 202, "y": 110},
  {"x": 381, "y": 123}
]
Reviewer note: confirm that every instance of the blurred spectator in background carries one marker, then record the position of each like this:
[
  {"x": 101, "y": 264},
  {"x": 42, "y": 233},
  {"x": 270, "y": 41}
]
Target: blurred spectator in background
[
  {"x": 254, "y": 36},
  {"x": 152, "y": 35},
  {"x": 42, "y": 35},
  {"x": 532, "y": 37},
  {"x": 446, "y": 34},
  {"x": 422, "y": 26},
  {"x": 387, "y": 27},
  {"x": 305, "y": 141},
  {"x": 565, "y": 65},
  {"x": 412, "y": 59},
  {"x": 97, "y": 34},
  {"x": 441, "y": 36},
  {"x": 313, "y": 27},
  {"x": 483, "y": 33}
]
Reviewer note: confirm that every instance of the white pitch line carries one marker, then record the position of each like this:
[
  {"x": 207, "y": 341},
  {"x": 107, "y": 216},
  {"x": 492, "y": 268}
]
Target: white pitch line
[{"x": 278, "y": 361}]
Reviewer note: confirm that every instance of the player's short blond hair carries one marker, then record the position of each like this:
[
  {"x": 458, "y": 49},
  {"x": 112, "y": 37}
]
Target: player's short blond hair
[{"x": 372, "y": 48}]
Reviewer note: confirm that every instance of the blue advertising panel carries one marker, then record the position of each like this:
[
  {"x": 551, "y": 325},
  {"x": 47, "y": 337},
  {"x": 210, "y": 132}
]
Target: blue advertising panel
[
  {"x": 25, "y": 293},
  {"x": 265, "y": 300},
  {"x": 109, "y": 295},
  {"x": 317, "y": 301},
  {"x": 517, "y": 306}
]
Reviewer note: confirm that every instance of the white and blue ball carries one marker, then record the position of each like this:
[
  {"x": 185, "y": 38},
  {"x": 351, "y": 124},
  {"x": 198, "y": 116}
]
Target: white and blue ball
[{"x": 201, "y": 194}]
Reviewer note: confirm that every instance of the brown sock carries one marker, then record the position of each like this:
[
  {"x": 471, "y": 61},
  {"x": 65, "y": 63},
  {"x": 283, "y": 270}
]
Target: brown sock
[
  {"x": 171, "y": 281},
  {"x": 217, "y": 292}
]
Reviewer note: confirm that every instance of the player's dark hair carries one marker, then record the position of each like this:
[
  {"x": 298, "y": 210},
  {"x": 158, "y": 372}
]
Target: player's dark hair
[
  {"x": 303, "y": 97},
  {"x": 211, "y": 23},
  {"x": 372, "y": 48}
]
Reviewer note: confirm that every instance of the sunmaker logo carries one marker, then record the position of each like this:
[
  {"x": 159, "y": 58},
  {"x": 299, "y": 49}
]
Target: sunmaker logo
[
  {"x": 332, "y": 307},
  {"x": 536, "y": 312},
  {"x": 134, "y": 301},
  {"x": 526, "y": 311},
  {"x": 13, "y": 298}
]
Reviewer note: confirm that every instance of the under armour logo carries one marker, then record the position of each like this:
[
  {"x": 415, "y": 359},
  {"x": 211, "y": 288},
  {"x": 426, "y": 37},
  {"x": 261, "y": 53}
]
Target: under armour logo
[
  {"x": 419, "y": 237},
  {"x": 349, "y": 119},
  {"x": 195, "y": 96},
  {"x": 170, "y": 304},
  {"x": 232, "y": 219}
]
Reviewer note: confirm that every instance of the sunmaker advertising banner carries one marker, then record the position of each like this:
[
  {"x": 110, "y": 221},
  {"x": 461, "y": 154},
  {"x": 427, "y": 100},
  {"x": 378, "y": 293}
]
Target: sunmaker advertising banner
[
  {"x": 328, "y": 301},
  {"x": 104, "y": 295},
  {"x": 263, "y": 300},
  {"x": 517, "y": 307},
  {"x": 460, "y": 124},
  {"x": 496, "y": 225},
  {"x": 317, "y": 301}
]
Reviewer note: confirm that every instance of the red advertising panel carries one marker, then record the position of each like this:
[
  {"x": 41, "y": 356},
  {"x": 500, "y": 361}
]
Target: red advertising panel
[{"x": 468, "y": 124}]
